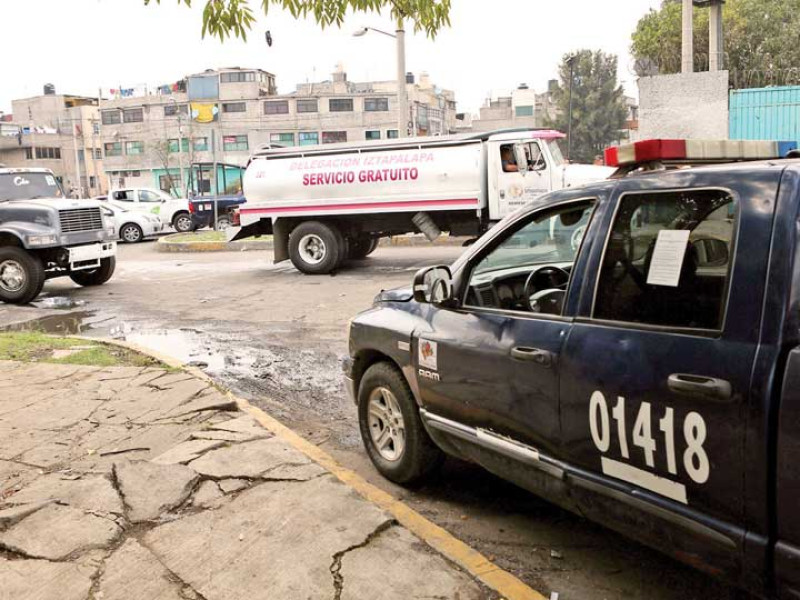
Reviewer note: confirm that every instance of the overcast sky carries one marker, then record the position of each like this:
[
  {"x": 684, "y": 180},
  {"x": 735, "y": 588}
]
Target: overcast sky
[{"x": 82, "y": 46}]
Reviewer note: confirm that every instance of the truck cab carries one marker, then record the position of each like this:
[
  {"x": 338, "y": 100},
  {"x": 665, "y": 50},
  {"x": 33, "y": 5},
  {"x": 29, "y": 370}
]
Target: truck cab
[
  {"x": 44, "y": 235},
  {"x": 627, "y": 350}
]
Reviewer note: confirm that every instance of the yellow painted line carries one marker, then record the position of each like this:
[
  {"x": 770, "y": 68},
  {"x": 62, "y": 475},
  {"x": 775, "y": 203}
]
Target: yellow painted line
[{"x": 466, "y": 557}]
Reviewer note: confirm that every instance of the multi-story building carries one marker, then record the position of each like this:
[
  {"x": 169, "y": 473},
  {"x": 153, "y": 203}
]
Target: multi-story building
[
  {"x": 59, "y": 132},
  {"x": 173, "y": 138},
  {"x": 523, "y": 107}
]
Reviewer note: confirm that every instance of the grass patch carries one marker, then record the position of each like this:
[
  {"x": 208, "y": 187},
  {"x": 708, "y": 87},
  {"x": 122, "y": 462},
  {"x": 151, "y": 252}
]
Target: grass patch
[
  {"x": 208, "y": 236},
  {"x": 33, "y": 346}
]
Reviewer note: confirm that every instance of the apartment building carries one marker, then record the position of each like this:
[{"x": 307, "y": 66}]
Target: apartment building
[
  {"x": 59, "y": 132},
  {"x": 194, "y": 136},
  {"x": 523, "y": 107}
]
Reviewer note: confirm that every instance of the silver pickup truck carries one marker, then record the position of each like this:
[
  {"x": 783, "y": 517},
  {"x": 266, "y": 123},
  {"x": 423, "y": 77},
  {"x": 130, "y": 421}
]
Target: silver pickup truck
[{"x": 44, "y": 235}]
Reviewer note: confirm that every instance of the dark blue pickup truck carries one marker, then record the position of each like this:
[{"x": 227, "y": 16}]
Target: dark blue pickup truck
[
  {"x": 628, "y": 350},
  {"x": 202, "y": 210}
]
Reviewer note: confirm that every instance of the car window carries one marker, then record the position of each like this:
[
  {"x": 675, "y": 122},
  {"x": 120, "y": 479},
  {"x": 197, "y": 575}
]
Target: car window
[
  {"x": 122, "y": 196},
  {"x": 667, "y": 260},
  {"x": 148, "y": 196},
  {"x": 530, "y": 265}
]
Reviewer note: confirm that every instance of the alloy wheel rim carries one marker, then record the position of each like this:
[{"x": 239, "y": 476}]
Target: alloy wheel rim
[
  {"x": 386, "y": 426},
  {"x": 182, "y": 224},
  {"x": 131, "y": 234},
  {"x": 312, "y": 249},
  {"x": 12, "y": 276}
]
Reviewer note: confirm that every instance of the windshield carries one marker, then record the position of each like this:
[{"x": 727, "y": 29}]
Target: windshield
[
  {"x": 555, "y": 152},
  {"x": 28, "y": 186}
]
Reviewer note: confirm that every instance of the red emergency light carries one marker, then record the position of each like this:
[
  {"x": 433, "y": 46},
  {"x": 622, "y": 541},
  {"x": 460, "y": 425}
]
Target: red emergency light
[{"x": 695, "y": 151}]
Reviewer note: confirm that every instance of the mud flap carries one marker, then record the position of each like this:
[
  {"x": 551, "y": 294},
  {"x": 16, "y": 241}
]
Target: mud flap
[{"x": 281, "y": 229}]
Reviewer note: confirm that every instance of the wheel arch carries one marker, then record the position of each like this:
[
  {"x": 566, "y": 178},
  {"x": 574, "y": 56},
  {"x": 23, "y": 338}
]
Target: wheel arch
[
  {"x": 10, "y": 239},
  {"x": 368, "y": 357}
]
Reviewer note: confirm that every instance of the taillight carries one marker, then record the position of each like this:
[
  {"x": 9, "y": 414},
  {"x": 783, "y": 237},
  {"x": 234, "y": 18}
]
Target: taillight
[
  {"x": 191, "y": 207},
  {"x": 235, "y": 217}
]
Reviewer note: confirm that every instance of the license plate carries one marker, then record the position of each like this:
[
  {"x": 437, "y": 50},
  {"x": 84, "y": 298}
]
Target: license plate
[{"x": 92, "y": 252}]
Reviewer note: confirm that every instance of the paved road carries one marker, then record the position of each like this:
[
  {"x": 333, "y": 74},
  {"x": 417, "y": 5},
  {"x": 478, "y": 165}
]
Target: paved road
[{"x": 277, "y": 337}]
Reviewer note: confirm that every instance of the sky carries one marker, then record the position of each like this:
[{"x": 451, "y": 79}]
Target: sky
[{"x": 83, "y": 46}]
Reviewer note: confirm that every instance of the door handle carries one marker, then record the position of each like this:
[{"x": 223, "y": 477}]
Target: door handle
[
  {"x": 694, "y": 385},
  {"x": 540, "y": 357}
]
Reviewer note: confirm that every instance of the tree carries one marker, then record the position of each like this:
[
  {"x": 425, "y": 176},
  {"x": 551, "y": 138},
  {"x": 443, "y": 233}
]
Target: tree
[
  {"x": 598, "y": 103},
  {"x": 760, "y": 38},
  {"x": 226, "y": 18}
]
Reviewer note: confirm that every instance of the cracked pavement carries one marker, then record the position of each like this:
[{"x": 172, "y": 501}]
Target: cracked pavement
[{"x": 124, "y": 482}]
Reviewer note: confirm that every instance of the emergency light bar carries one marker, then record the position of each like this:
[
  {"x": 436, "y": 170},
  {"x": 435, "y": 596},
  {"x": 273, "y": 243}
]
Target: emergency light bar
[{"x": 695, "y": 151}]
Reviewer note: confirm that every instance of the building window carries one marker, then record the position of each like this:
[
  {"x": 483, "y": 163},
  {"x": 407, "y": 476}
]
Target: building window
[
  {"x": 95, "y": 128},
  {"x": 340, "y": 105},
  {"x": 29, "y": 153},
  {"x": 173, "y": 110},
  {"x": 308, "y": 138},
  {"x": 392, "y": 134},
  {"x": 376, "y": 104},
  {"x": 110, "y": 117},
  {"x": 278, "y": 107},
  {"x": 52, "y": 153},
  {"x": 282, "y": 139},
  {"x": 307, "y": 106},
  {"x": 134, "y": 148},
  {"x": 201, "y": 144},
  {"x": 173, "y": 145},
  {"x": 373, "y": 135},
  {"x": 167, "y": 182},
  {"x": 113, "y": 149},
  {"x": 234, "y": 143},
  {"x": 81, "y": 155},
  {"x": 524, "y": 111},
  {"x": 92, "y": 182},
  {"x": 233, "y": 107},
  {"x": 332, "y": 137},
  {"x": 98, "y": 154},
  {"x": 133, "y": 115},
  {"x": 237, "y": 77}
]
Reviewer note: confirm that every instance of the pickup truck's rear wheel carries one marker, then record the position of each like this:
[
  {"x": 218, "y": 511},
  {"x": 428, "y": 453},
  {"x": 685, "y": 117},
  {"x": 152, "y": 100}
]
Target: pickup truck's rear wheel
[
  {"x": 316, "y": 248},
  {"x": 21, "y": 276},
  {"x": 182, "y": 222},
  {"x": 98, "y": 276},
  {"x": 391, "y": 428},
  {"x": 362, "y": 247}
]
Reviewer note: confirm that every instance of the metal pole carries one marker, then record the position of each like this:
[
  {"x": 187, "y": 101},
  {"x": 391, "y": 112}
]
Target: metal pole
[
  {"x": 571, "y": 63},
  {"x": 216, "y": 187},
  {"x": 77, "y": 161},
  {"x": 715, "y": 37},
  {"x": 687, "y": 47},
  {"x": 180, "y": 150},
  {"x": 94, "y": 156},
  {"x": 402, "y": 92}
]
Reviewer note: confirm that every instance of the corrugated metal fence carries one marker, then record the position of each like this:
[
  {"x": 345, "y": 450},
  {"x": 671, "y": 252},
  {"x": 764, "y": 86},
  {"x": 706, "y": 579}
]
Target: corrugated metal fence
[{"x": 765, "y": 114}]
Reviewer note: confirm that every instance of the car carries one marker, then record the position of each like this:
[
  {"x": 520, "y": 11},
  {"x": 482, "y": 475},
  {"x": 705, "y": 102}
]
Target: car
[
  {"x": 202, "y": 210},
  {"x": 172, "y": 211},
  {"x": 628, "y": 350},
  {"x": 132, "y": 226}
]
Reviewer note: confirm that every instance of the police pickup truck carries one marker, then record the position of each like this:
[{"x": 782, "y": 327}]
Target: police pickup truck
[
  {"x": 629, "y": 350},
  {"x": 45, "y": 235}
]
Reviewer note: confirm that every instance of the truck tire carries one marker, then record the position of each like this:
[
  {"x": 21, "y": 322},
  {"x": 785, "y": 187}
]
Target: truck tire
[
  {"x": 391, "y": 428},
  {"x": 223, "y": 222},
  {"x": 362, "y": 247},
  {"x": 182, "y": 222},
  {"x": 98, "y": 276},
  {"x": 21, "y": 276},
  {"x": 131, "y": 233},
  {"x": 316, "y": 248}
]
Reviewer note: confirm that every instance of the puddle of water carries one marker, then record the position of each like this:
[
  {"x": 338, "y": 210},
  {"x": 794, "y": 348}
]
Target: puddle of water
[
  {"x": 69, "y": 324},
  {"x": 58, "y": 302}
]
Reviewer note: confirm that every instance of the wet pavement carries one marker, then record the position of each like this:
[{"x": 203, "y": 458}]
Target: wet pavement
[{"x": 277, "y": 338}]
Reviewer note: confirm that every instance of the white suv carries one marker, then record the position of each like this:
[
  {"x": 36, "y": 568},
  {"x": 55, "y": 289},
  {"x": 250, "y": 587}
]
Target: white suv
[{"x": 172, "y": 211}]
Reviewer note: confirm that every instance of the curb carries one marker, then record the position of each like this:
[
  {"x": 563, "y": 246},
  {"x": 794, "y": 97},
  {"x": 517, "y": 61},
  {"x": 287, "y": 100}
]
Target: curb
[
  {"x": 165, "y": 245},
  {"x": 464, "y": 556}
]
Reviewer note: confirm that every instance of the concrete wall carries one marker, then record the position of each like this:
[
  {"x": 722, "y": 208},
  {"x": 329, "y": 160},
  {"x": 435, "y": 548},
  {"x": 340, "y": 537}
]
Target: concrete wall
[{"x": 684, "y": 106}]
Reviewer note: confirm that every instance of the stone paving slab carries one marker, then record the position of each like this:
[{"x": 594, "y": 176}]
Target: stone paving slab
[
  {"x": 150, "y": 489},
  {"x": 44, "y": 580},
  {"x": 87, "y": 492},
  {"x": 133, "y": 572}
]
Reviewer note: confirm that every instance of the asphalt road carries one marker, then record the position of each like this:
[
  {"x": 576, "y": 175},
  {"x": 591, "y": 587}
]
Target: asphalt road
[{"x": 277, "y": 338}]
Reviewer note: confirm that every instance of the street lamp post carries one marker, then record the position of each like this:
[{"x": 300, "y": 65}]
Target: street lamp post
[
  {"x": 180, "y": 147},
  {"x": 571, "y": 63},
  {"x": 402, "y": 92}
]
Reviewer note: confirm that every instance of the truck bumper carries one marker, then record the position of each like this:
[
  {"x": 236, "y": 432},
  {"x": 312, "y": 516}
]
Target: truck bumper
[
  {"x": 90, "y": 255},
  {"x": 349, "y": 382}
]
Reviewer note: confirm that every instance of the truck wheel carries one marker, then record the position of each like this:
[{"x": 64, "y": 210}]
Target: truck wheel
[
  {"x": 21, "y": 276},
  {"x": 362, "y": 247},
  {"x": 391, "y": 429},
  {"x": 223, "y": 223},
  {"x": 130, "y": 233},
  {"x": 182, "y": 222},
  {"x": 97, "y": 276},
  {"x": 316, "y": 248}
]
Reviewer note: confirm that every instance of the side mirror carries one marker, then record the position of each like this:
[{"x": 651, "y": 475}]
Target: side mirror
[
  {"x": 433, "y": 285},
  {"x": 521, "y": 157}
]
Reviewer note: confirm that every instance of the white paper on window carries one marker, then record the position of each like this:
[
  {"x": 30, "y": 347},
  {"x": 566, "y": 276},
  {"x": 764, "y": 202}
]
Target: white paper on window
[{"x": 668, "y": 256}]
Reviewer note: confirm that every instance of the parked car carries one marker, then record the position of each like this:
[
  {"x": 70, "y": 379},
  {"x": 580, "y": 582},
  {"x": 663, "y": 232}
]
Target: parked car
[
  {"x": 132, "y": 226},
  {"x": 171, "y": 211},
  {"x": 202, "y": 210},
  {"x": 44, "y": 235},
  {"x": 646, "y": 377}
]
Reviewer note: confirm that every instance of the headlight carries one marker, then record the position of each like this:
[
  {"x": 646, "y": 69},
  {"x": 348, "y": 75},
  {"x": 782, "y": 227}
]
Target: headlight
[
  {"x": 41, "y": 240},
  {"x": 108, "y": 212}
]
